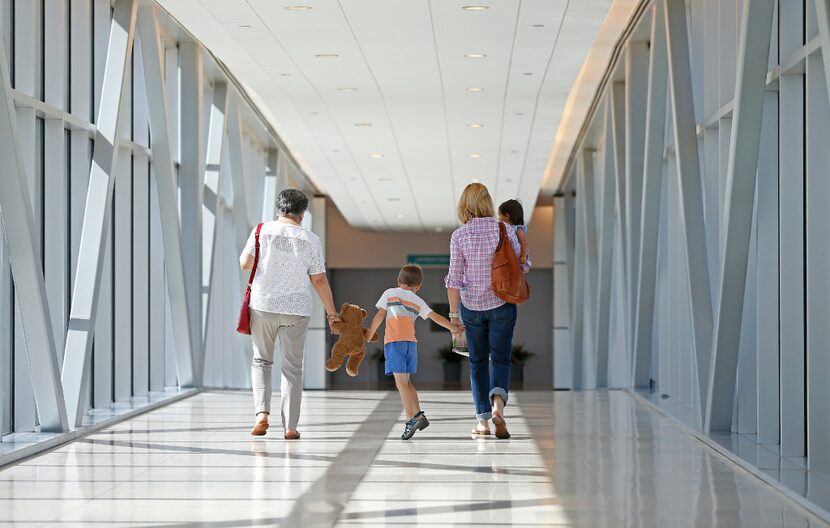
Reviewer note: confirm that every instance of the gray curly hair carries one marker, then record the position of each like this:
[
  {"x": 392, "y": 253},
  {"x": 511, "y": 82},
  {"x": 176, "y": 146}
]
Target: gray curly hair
[{"x": 292, "y": 202}]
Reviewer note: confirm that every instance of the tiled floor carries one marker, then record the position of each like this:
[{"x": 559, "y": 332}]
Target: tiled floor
[{"x": 576, "y": 459}]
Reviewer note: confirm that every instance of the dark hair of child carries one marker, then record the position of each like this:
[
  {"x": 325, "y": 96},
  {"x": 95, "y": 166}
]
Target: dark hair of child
[
  {"x": 512, "y": 209},
  {"x": 411, "y": 275}
]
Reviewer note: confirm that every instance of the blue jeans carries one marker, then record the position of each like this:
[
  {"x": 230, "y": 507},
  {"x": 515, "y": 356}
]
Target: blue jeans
[{"x": 489, "y": 340}]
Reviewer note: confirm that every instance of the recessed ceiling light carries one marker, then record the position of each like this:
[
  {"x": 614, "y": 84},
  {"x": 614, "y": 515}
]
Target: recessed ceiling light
[
  {"x": 363, "y": 124},
  {"x": 538, "y": 25},
  {"x": 386, "y": 179},
  {"x": 245, "y": 26},
  {"x": 376, "y": 155},
  {"x": 527, "y": 73},
  {"x": 399, "y": 216},
  {"x": 475, "y": 125},
  {"x": 394, "y": 199},
  {"x": 475, "y": 89},
  {"x": 475, "y": 55},
  {"x": 520, "y": 114},
  {"x": 514, "y": 151},
  {"x": 285, "y": 75},
  {"x": 474, "y": 156},
  {"x": 347, "y": 89},
  {"x": 298, "y": 8},
  {"x": 475, "y": 8},
  {"x": 327, "y": 55}
]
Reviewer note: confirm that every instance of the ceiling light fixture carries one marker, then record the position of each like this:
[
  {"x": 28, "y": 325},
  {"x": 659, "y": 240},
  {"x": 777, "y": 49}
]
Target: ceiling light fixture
[
  {"x": 285, "y": 75},
  {"x": 475, "y": 8},
  {"x": 538, "y": 25},
  {"x": 475, "y": 125},
  {"x": 475, "y": 55},
  {"x": 298, "y": 8},
  {"x": 399, "y": 216},
  {"x": 520, "y": 114},
  {"x": 475, "y": 89},
  {"x": 376, "y": 155},
  {"x": 528, "y": 73},
  {"x": 474, "y": 156},
  {"x": 347, "y": 89},
  {"x": 245, "y": 26},
  {"x": 327, "y": 55},
  {"x": 394, "y": 199},
  {"x": 363, "y": 124}
]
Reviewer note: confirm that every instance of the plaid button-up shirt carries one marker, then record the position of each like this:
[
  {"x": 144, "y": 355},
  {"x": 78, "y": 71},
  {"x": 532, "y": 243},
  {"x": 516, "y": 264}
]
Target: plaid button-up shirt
[{"x": 471, "y": 262}]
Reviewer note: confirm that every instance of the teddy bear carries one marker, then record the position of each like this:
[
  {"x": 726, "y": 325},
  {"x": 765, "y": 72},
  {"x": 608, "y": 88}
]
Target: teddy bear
[{"x": 352, "y": 339}]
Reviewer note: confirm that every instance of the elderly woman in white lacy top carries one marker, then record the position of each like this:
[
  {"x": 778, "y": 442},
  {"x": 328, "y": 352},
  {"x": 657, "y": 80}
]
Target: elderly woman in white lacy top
[{"x": 280, "y": 306}]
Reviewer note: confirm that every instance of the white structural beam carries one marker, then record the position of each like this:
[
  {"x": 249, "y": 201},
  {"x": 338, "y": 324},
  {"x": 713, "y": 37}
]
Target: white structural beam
[
  {"x": 237, "y": 167},
  {"x": 191, "y": 183},
  {"x": 271, "y": 187},
  {"x": 589, "y": 226},
  {"x": 18, "y": 222},
  {"x": 646, "y": 262},
  {"x": 212, "y": 191},
  {"x": 578, "y": 297},
  {"x": 605, "y": 249},
  {"x": 562, "y": 366},
  {"x": 636, "y": 105},
  {"x": 151, "y": 52},
  {"x": 823, "y": 23},
  {"x": 97, "y": 214},
  {"x": 756, "y": 25},
  {"x": 691, "y": 194}
]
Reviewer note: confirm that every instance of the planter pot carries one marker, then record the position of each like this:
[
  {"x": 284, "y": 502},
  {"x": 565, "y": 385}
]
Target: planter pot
[
  {"x": 517, "y": 374},
  {"x": 382, "y": 377},
  {"x": 452, "y": 372}
]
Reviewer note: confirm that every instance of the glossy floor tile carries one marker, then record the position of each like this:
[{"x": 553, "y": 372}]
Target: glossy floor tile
[{"x": 588, "y": 459}]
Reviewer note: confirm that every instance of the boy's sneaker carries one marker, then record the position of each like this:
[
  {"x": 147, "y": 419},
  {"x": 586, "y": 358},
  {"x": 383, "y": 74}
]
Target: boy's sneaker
[{"x": 416, "y": 423}]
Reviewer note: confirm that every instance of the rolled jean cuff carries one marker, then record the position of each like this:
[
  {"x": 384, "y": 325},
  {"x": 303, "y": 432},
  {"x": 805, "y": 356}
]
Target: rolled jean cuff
[
  {"x": 498, "y": 391},
  {"x": 484, "y": 416},
  {"x": 262, "y": 409}
]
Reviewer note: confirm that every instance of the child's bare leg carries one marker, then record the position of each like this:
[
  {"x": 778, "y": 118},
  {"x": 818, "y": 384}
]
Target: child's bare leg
[{"x": 406, "y": 390}]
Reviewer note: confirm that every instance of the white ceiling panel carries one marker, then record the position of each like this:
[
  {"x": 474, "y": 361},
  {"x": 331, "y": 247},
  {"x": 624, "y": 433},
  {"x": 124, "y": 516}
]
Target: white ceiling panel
[{"x": 374, "y": 97}]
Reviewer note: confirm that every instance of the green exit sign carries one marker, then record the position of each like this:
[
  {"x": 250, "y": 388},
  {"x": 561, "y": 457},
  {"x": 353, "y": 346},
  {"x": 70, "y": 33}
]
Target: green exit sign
[{"x": 428, "y": 260}]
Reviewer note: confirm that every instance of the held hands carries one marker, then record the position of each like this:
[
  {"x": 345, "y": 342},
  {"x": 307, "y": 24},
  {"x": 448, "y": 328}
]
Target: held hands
[
  {"x": 457, "y": 325},
  {"x": 333, "y": 319}
]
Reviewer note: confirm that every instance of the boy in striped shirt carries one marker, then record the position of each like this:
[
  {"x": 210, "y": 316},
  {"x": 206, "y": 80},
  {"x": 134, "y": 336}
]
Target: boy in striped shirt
[{"x": 400, "y": 307}]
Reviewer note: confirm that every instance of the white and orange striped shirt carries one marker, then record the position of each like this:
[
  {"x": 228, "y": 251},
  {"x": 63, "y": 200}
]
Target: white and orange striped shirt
[{"x": 402, "y": 309}]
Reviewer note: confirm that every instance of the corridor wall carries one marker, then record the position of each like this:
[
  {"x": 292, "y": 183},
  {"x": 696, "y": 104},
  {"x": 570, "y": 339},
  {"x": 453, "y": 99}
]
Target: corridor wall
[
  {"x": 691, "y": 253},
  {"x": 142, "y": 166}
]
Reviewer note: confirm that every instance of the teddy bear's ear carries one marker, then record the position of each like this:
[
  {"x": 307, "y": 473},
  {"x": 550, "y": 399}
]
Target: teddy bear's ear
[
  {"x": 364, "y": 313},
  {"x": 343, "y": 308}
]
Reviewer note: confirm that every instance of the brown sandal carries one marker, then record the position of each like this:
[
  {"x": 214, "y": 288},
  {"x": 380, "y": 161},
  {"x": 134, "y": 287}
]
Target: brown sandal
[
  {"x": 501, "y": 428},
  {"x": 479, "y": 433},
  {"x": 291, "y": 435},
  {"x": 259, "y": 429}
]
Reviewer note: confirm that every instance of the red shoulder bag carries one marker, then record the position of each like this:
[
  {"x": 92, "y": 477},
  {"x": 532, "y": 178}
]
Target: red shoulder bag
[{"x": 244, "y": 324}]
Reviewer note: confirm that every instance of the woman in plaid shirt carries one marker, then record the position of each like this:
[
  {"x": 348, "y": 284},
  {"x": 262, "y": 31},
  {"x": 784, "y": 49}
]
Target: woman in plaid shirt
[{"x": 488, "y": 320}]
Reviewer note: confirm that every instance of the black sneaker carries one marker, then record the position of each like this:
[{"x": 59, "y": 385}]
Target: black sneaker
[{"x": 417, "y": 423}]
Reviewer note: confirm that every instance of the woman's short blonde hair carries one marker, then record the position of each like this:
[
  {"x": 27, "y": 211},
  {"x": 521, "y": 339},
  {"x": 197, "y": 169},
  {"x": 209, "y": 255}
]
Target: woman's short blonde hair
[{"x": 475, "y": 202}]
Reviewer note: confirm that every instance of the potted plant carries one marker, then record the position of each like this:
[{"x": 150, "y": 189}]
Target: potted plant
[
  {"x": 519, "y": 358},
  {"x": 452, "y": 365},
  {"x": 379, "y": 360}
]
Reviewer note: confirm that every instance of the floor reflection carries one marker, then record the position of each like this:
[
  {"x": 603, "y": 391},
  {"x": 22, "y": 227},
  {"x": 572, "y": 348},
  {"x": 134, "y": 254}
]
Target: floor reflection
[{"x": 588, "y": 459}]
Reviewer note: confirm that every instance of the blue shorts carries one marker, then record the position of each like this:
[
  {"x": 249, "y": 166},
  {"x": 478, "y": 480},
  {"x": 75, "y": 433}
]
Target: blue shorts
[{"x": 401, "y": 357}]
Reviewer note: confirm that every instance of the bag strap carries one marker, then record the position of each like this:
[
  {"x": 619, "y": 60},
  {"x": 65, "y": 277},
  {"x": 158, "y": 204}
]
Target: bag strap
[
  {"x": 502, "y": 235},
  {"x": 256, "y": 255}
]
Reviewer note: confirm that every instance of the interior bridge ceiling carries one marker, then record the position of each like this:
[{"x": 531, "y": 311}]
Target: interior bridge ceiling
[{"x": 392, "y": 106}]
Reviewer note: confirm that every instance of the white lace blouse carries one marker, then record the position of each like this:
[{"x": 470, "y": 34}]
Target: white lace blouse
[{"x": 288, "y": 254}]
